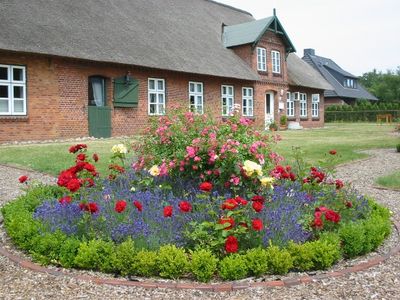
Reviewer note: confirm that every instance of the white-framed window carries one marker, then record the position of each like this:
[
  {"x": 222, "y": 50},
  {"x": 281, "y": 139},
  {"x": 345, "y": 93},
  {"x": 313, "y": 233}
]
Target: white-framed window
[
  {"x": 349, "y": 83},
  {"x": 315, "y": 105},
  {"x": 276, "y": 61},
  {"x": 196, "y": 97},
  {"x": 289, "y": 105},
  {"x": 247, "y": 102},
  {"x": 156, "y": 96},
  {"x": 227, "y": 99},
  {"x": 12, "y": 90},
  {"x": 261, "y": 59},
  {"x": 303, "y": 105}
]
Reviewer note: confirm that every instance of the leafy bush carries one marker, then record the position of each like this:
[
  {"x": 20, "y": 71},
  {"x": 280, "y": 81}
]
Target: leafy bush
[
  {"x": 353, "y": 238},
  {"x": 326, "y": 251},
  {"x": 203, "y": 264},
  {"x": 376, "y": 229},
  {"x": 124, "y": 258},
  {"x": 398, "y": 147},
  {"x": 279, "y": 261},
  {"x": 95, "y": 254},
  {"x": 146, "y": 263},
  {"x": 46, "y": 247},
  {"x": 233, "y": 267},
  {"x": 257, "y": 259},
  {"x": 172, "y": 261},
  {"x": 303, "y": 255},
  {"x": 68, "y": 251}
]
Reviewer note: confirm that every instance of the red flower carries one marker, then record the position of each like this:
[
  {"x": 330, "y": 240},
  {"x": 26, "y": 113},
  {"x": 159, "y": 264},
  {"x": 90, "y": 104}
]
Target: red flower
[
  {"x": 257, "y": 224},
  {"x": 206, "y": 186},
  {"x": 332, "y": 152},
  {"x": 117, "y": 168},
  {"x": 339, "y": 184},
  {"x": 231, "y": 244},
  {"x": 258, "y": 206},
  {"x": 241, "y": 201},
  {"x": 138, "y": 205},
  {"x": 185, "y": 206},
  {"x": 73, "y": 185},
  {"x": 229, "y": 204},
  {"x": 95, "y": 157},
  {"x": 112, "y": 176},
  {"x": 349, "y": 204},
  {"x": 257, "y": 198},
  {"x": 332, "y": 216},
  {"x": 65, "y": 200},
  {"x": 82, "y": 206},
  {"x": 81, "y": 157},
  {"x": 318, "y": 223},
  {"x": 120, "y": 206},
  {"x": 92, "y": 207},
  {"x": 292, "y": 176},
  {"x": 226, "y": 220},
  {"x": 23, "y": 178},
  {"x": 89, "y": 167},
  {"x": 76, "y": 148},
  {"x": 168, "y": 211},
  {"x": 321, "y": 208}
]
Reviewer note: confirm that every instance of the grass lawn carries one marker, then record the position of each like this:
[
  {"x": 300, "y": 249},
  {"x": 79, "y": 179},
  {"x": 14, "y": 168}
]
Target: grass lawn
[
  {"x": 346, "y": 138},
  {"x": 51, "y": 158},
  {"x": 391, "y": 181}
]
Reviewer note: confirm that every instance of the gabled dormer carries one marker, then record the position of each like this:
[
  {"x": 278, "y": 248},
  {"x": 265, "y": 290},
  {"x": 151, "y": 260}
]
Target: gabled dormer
[{"x": 263, "y": 44}]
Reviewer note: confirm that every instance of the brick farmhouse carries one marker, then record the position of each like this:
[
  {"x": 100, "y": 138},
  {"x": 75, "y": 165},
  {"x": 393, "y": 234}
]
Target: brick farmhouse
[{"x": 104, "y": 68}]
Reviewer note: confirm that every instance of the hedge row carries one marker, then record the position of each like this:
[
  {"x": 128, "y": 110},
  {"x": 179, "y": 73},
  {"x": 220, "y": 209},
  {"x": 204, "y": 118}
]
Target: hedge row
[
  {"x": 358, "y": 116},
  {"x": 352, "y": 239}
]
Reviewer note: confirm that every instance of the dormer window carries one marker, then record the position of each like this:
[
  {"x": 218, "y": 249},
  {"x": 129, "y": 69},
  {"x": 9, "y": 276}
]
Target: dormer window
[
  {"x": 349, "y": 83},
  {"x": 261, "y": 59}
]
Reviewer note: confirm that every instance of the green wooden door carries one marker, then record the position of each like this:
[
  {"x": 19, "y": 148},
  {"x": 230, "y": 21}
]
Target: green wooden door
[{"x": 99, "y": 121}]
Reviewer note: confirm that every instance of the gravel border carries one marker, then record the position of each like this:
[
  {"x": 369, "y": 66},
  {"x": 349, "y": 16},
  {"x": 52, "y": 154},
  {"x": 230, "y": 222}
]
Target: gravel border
[{"x": 379, "y": 281}]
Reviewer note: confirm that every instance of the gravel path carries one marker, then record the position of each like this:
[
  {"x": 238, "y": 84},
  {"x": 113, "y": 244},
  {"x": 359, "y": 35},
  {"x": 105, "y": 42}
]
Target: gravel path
[{"x": 379, "y": 282}]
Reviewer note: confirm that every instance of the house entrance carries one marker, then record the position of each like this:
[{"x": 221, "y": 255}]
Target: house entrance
[
  {"x": 269, "y": 109},
  {"x": 99, "y": 114}
]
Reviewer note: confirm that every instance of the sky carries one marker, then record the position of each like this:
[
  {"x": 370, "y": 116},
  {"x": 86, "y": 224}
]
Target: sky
[{"x": 359, "y": 35}]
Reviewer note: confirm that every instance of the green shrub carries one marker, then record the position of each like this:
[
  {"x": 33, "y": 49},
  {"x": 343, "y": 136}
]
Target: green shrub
[
  {"x": 68, "y": 252},
  {"x": 257, "y": 259},
  {"x": 326, "y": 251},
  {"x": 172, "y": 261},
  {"x": 145, "y": 263},
  {"x": 279, "y": 261},
  {"x": 233, "y": 267},
  {"x": 376, "y": 229},
  {"x": 46, "y": 248},
  {"x": 96, "y": 254},
  {"x": 203, "y": 264},
  {"x": 303, "y": 255},
  {"x": 398, "y": 147},
  {"x": 124, "y": 258},
  {"x": 353, "y": 239}
]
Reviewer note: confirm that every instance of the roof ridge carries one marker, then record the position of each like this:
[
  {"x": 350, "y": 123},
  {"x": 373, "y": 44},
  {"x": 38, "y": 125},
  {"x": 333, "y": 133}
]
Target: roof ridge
[{"x": 231, "y": 7}]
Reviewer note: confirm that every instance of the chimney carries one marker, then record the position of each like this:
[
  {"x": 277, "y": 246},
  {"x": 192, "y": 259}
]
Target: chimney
[{"x": 309, "y": 51}]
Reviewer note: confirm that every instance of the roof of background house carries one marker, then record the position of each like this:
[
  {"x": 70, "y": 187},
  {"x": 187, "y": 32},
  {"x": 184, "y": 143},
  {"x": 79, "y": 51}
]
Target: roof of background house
[
  {"x": 178, "y": 35},
  {"x": 302, "y": 74},
  {"x": 326, "y": 66},
  {"x": 251, "y": 32}
]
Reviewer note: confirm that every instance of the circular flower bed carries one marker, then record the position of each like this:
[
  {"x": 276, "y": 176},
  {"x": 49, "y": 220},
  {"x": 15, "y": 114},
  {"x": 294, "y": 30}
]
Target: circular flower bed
[{"x": 202, "y": 199}]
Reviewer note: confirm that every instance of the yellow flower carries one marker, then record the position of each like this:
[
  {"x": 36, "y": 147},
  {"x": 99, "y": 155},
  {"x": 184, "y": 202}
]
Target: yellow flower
[
  {"x": 133, "y": 189},
  {"x": 267, "y": 182},
  {"x": 120, "y": 148},
  {"x": 250, "y": 167},
  {"x": 154, "y": 170}
]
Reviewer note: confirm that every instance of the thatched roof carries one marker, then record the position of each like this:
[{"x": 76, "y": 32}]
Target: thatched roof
[
  {"x": 178, "y": 35},
  {"x": 302, "y": 74}
]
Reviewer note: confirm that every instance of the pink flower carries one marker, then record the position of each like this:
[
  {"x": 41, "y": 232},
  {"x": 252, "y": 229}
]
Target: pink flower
[
  {"x": 197, "y": 159},
  {"x": 191, "y": 151},
  {"x": 235, "y": 180}
]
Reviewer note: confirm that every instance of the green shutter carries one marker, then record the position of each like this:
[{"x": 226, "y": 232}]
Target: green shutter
[{"x": 126, "y": 93}]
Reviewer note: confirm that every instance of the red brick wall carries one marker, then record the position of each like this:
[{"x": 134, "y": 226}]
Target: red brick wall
[
  {"x": 309, "y": 121},
  {"x": 57, "y": 97}
]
